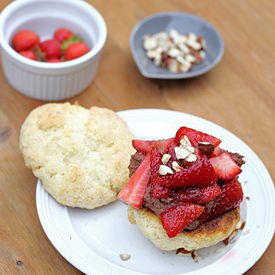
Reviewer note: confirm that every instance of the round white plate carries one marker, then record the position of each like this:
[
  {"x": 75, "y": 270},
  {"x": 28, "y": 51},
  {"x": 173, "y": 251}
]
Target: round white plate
[{"x": 92, "y": 240}]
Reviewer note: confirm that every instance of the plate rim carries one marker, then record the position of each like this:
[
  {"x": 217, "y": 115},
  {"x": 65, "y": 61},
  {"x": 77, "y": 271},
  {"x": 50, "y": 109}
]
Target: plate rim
[{"x": 245, "y": 266}]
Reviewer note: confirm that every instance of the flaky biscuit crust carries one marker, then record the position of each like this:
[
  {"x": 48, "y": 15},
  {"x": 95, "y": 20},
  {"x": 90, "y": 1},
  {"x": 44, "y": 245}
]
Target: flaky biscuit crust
[
  {"x": 81, "y": 155},
  {"x": 208, "y": 234}
]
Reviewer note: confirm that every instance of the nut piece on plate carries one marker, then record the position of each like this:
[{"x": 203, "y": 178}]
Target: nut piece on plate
[{"x": 81, "y": 155}]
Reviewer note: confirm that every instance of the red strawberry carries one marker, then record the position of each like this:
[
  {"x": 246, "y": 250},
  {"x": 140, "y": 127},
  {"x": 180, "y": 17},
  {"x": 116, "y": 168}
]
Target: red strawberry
[
  {"x": 76, "y": 50},
  {"x": 145, "y": 146},
  {"x": 134, "y": 190},
  {"x": 225, "y": 167},
  {"x": 177, "y": 217},
  {"x": 195, "y": 137},
  {"x": 52, "y": 48},
  {"x": 200, "y": 195},
  {"x": 29, "y": 54},
  {"x": 160, "y": 192},
  {"x": 24, "y": 40},
  {"x": 217, "y": 151},
  {"x": 231, "y": 197},
  {"x": 142, "y": 146},
  {"x": 209, "y": 193},
  {"x": 200, "y": 173},
  {"x": 62, "y": 34},
  {"x": 54, "y": 60}
]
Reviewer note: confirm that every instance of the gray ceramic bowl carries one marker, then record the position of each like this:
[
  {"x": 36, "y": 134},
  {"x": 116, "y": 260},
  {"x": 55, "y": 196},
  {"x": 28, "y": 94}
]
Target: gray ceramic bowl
[{"x": 183, "y": 23}]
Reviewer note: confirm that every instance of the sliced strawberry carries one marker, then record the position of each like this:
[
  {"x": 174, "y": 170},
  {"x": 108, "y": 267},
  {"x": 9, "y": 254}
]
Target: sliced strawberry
[
  {"x": 162, "y": 144},
  {"x": 177, "y": 217},
  {"x": 209, "y": 193},
  {"x": 231, "y": 197},
  {"x": 225, "y": 167},
  {"x": 200, "y": 173},
  {"x": 145, "y": 146},
  {"x": 142, "y": 146},
  {"x": 160, "y": 192},
  {"x": 200, "y": 195},
  {"x": 134, "y": 190},
  {"x": 196, "y": 136},
  {"x": 217, "y": 151}
]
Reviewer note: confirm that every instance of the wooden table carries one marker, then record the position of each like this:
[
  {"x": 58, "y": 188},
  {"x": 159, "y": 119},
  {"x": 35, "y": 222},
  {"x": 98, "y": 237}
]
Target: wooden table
[{"x": 238, "y": 95}]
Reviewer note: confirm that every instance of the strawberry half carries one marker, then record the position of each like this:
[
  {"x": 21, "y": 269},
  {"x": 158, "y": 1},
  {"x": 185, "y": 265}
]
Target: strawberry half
[
  {"x": 196, "y": 136},
  {"x": 145, "y": 146},
  {"x": 200, "y": 195},
  {"x": 225, "y": 167},
  {"x": 134, "y": 190},
  {"x": 200, "y": 173},
  {"x": 217, "y": 151},
  {"x": 177, "y": 217},
  {"x": 231, "y": 197}
]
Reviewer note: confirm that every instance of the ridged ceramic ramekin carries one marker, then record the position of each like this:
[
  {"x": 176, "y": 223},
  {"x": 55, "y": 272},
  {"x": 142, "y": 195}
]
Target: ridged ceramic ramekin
[{"x": 51, "y": 81}]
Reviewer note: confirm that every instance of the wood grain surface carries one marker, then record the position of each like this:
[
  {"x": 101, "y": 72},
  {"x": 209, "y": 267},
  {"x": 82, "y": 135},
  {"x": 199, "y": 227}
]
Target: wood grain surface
[{"x": 238, "y": 95}]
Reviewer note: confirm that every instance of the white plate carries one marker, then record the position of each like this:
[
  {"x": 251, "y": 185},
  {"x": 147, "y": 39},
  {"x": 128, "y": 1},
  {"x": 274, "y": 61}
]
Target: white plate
[{"x": 93, "y": 240}]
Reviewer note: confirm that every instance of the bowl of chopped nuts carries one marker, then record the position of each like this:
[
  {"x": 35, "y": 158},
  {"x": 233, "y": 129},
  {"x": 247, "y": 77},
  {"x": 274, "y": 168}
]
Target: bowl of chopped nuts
[{"x": 175, "y": 45}]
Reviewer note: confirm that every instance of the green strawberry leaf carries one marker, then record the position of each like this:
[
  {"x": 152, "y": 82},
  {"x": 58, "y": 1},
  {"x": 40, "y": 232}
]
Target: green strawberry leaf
[{"x": 66, "y": 43}]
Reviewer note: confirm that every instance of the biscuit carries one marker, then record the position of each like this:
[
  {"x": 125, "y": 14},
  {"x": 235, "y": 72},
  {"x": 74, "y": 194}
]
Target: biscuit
[
  {"x": 207, "y": 234},
  {"x": 81, "y": 155}
]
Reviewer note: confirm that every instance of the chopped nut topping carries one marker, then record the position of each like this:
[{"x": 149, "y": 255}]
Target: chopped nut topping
[
  {"x": 190, "y": 58},
  {"x": 174, "y": 52},
  {"x": 206, "y": 148},
  {"x": 125, "y": 257},
  {"x": 150, "y": 43},
  {"x": 191, "y": 158},
  {"x": 181, "y": 153},
  {"x": 164, "y": 170},
  {"x": 202, "y": 54},
  {"x": 193, "y": 44},
  {"x": 173, "y": 66},
  {"x": 185, "y": 141},
  {"x": 176, "y": 166},
  {"x": 153, "y": 54},
  {"x": 181, "y": 51},
  {"x": 190, "y": 148},
  {"x": 165, "y": 158},
  {"x": 204, "y": 142}
]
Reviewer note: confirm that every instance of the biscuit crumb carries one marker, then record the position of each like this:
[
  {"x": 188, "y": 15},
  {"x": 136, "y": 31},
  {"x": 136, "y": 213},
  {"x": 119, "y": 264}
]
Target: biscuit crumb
[{"x": 196, "y": 256}]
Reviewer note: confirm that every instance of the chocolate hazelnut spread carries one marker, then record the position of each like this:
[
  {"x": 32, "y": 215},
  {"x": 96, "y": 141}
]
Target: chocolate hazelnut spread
[
  {"x": 157, "y": 206},
  {"x": 238, "y": 159},
  {"x": 136, "y": 160}
]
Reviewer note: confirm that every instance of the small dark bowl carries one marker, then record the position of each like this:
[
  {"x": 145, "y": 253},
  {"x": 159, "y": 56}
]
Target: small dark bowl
[{"x": 183, "y": 23}]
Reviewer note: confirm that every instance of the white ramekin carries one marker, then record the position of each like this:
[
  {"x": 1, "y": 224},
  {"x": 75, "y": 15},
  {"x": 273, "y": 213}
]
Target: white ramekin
[{"x": 51, "y": 81}]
